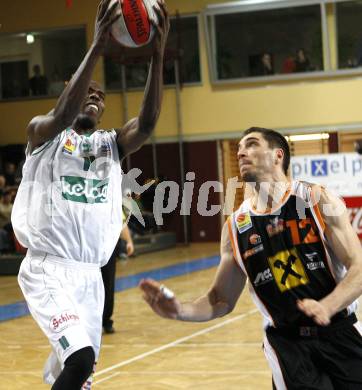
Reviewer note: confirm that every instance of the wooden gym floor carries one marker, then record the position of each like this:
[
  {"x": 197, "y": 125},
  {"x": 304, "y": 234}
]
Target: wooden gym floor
[{"x": 147, "y": 352}]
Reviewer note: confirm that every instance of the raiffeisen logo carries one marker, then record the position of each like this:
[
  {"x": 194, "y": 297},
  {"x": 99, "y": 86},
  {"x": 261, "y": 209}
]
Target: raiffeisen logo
[{"x": 79, "y": 189}]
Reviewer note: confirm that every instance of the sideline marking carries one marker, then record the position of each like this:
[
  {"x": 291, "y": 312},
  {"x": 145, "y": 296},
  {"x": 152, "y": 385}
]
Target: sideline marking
[{"x": 169, "y": 345}]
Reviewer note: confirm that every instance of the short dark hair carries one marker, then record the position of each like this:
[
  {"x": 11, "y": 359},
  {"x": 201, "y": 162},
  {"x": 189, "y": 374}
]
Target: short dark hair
[{"x": 275, "y": 140}]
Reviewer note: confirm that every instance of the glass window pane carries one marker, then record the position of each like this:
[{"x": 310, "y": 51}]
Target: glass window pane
[
  {"x": 349, "y": 16},
  {"x": 39, "y": 64},
  {"x": 269, "y": 42},
  {"x": 184, "y": 35}
]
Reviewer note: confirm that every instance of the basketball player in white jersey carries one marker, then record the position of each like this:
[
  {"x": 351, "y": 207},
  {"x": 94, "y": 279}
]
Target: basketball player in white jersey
[
  {"x": 68, "y": 211},
  {"x": 295, "y": 244}
]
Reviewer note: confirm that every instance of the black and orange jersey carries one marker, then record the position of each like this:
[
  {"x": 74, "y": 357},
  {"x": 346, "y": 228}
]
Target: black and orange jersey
[{"x": 285, "y": 256}]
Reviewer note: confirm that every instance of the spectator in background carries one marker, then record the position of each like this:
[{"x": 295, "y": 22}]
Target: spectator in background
[
  {"x": 302, "y": 63},
  {"x": 19, "y": 168},
  {"x": 6, "y": 206},
  {"x": 2, "y": 185},
  {"x": 6, "y": 230},
  {"x": 9, "y": 173},
  {"x": 263, "y": 65},
  {"x": 352, "y": 63},
  {"x": 38, "y": 84},
  {"x": 57, "y": 84},
  {"x": 289, "y": 64},
  {"x": 267, "y": 64}
]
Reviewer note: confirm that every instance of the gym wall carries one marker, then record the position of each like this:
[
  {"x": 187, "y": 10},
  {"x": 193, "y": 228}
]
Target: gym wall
[{"x": 207, "y": 110}]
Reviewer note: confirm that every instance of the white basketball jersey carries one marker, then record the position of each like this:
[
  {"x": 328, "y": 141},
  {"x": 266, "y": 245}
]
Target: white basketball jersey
[{"x": 69, "y": 203}]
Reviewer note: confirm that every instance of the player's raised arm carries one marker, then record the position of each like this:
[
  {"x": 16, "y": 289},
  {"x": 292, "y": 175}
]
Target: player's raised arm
[
  {"x": 217, "y": 302},
  {"x": 45, "y": 127},
  {"x": 131, "y": 137},
  {"x": 344, "y": 243}
]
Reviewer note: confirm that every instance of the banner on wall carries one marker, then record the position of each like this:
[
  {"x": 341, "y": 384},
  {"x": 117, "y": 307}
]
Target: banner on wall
[
  {"x": 340, "y": 173},
  {"x": 354, "y": 206}
]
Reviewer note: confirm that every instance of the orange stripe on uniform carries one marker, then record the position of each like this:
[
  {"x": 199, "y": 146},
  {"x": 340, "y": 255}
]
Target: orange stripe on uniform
[
  {"x": 317, "y": 212},
  {"x": 232, "y": 238}
]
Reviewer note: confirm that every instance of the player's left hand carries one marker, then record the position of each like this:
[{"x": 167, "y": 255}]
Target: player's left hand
[
  {"x": 162, "y": 27},
  {"x": 161, "y": 300},
  {"x": 106, "y": 16},
  {"x": 315, "y": 310}
]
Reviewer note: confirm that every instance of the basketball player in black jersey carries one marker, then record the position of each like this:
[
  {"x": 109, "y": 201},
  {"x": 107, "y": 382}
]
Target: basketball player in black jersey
[{"x": 295, "y": 244}]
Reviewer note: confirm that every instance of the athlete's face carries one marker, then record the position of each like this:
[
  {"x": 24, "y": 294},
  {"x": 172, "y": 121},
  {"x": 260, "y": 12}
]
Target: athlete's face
[
  {"x": 255, "y": 157},
  {"x": 93, "y": 106}
]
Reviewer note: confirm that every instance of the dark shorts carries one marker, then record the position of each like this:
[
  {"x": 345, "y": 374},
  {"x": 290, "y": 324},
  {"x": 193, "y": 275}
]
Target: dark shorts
[{"x": 320, "y": 358}]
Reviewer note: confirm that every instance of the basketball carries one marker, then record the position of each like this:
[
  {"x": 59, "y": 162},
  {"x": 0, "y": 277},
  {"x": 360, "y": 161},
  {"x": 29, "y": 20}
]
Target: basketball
[{"x": 134, "y": 27}]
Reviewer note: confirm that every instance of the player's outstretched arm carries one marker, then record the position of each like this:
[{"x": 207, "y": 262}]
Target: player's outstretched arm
[
  {"x": 135, "y": 132},
  {"x": 343, "y": 241},
  {"x": 217, "y": 302},
  {"x": 45, "y": 127}
]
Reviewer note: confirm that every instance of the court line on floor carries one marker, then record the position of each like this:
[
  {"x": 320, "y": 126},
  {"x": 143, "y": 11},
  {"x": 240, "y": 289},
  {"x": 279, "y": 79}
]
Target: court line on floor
[
  {"x": 188, "y": 345},
  {"x": 203, "y": 372},
  {"x": 20, "y": 309},
  {"x": 167, "y": 346}
]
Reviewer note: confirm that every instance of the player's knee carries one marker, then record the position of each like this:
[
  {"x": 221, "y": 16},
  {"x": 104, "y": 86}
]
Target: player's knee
[{"x": 81, "y": 362}]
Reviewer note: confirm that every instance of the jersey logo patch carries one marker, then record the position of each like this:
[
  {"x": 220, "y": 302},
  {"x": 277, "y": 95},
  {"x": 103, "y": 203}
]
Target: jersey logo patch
[
  {"x": 243, "y": 222},
  {"x": 253, "y": 251},
  {"x": 288, "y": 270},
  {"x": 79, "y": 189},
  {"x": 105, "y": 148},
  {"x": 314, "y": 262},
  {"x": 263, "y": 277},
  {"x": 255, "y": 239},
  {"x": 275, "y": 226},
  {"x": 69, "y": 146}
]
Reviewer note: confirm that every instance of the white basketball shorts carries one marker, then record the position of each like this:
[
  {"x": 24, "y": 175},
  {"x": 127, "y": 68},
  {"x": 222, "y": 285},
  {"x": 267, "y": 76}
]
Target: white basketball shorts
[{"x": 66, "y": 299}]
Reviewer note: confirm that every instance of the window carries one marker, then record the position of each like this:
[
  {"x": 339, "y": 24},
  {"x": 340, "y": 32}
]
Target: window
[
  {"x": 14, "y": 78},
  {"x": 349, "y": 31},
  {"x": 347, "y": 141},
  {"x": 266, "y": 42},
  {"x": 184, "y": 35},
  {"x": 39, "y": 63}
]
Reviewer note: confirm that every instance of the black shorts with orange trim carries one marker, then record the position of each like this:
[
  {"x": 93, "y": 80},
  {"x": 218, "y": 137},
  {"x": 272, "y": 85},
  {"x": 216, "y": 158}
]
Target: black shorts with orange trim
[{"x": 320, "y": 358}]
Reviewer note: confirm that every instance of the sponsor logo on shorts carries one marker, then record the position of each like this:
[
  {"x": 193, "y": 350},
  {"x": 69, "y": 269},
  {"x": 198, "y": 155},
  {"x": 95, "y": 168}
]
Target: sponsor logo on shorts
[
  {"x": 79, "y": 189},
  {"x": 243, "y": 222},
  {"x": 263, "y": 277},
  {"x": 63, "y": 320}
]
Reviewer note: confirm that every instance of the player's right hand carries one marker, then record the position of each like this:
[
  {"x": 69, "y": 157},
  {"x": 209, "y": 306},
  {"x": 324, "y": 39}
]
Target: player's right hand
[
  {"x": 106, "y": 16},
  {"x": 162, "y": 27},
  {"x": 162, "y": 304}
]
